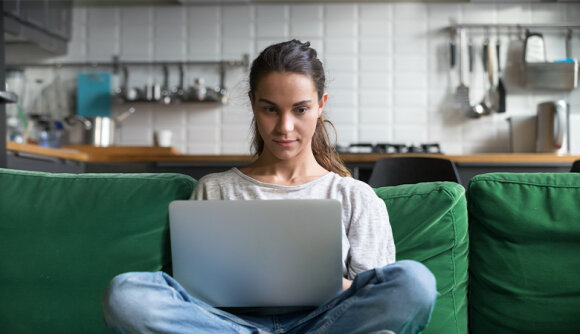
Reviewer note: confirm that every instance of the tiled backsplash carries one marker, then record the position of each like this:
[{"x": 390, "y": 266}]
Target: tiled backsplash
[{"x": 389, "y": 78}]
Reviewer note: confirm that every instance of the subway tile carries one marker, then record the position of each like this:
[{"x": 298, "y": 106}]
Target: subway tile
[
  {"x": 237, "y": 21},
  {"x": 408, "y": 47},
  {"x": 237, "y": 116},
  {"x": 410, "y": 99},
  {"x": 204, "y": 49},
  {"x": 340, "y": 12},
  {"x": 410, "y": 11},
  {"x": 339, "y": 63},
  {"x": 169, "y": 34},
  {"x": 235, "y": 48},
  {"x": 375, "y": 64},
  {"x": 410, "y": 116},
  {"x": 342, "y": 98},
  {"x": 374, "y": 116},
  {"x": 442, "y": 15},
  {"x": 338, "y": 115},
  {"x": 410, "y": 64},
  {"x": 272, "y": 21},
  {"x": 341, "y": 80},
  {"x": 438, "y": 134},
  {"x": 340, "y": 46},
  {"x": 136, "y": 34},
  {"x": 346, "y": 134},
  {"x": 341, "y": 29},
  {"x": 410, "y": 134},
  {"x": 235, "y": 134},
  {"x": 510, "y": 13},
  {"x": 170, "y": 116},
  {"x": 415, "y": 81},
  {"x": 368, "y": 46},
  {"x": 203, "y": 23},
  {"x": 371, "y": 99},
  {"x": 375, "y": 12},
  {"x": 479, "y": 13},
  {"x": 306, "y": 20},
  {"x": 200, "y": 114},
  {"x": 375, "y": 29},
  {"x": 202, "y": 148},
  {"x": 548, "y": 13},
  {"x": 375, "y": 81},
  {"x": 203, "y": 134},
  {"x": 374, "y": 133}
]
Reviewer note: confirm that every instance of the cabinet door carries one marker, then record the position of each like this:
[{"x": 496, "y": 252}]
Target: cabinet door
[
  {"x": 35, "y": 13},
  {"x": 59, "y": 18},
  {"x": 12, "y": 7}
]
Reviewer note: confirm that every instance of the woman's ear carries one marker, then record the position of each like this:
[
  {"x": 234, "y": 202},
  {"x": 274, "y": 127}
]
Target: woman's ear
[
  {"x": 322, "y": 103},
  {"x": 251, "y": 96}
]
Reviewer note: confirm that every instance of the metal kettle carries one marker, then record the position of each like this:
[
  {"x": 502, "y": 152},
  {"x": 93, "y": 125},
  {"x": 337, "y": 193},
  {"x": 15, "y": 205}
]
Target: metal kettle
[
  {"x": 96, "y": 131},
  {"x": 552, "y": 127}
]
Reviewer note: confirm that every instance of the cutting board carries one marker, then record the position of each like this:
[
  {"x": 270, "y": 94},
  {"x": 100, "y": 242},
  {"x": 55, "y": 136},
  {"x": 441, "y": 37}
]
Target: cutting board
[{"x": 94, "y": 94}]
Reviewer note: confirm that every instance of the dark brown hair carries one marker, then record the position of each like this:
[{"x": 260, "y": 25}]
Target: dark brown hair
[{"x": 297, "y": 57}]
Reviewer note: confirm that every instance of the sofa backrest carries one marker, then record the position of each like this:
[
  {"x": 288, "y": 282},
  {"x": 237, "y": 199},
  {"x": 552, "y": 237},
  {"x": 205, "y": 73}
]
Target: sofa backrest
[
  {"x": 524, "y": 253},
  {"x": 63, "y": 237},
  {"x": 429, "y": 222}
]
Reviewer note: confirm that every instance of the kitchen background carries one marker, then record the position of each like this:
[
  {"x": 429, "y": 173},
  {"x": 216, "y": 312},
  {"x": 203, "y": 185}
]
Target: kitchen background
[{"x": 388, "y": 68}]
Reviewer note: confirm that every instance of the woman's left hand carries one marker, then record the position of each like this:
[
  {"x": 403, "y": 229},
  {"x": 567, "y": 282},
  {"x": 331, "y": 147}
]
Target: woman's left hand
[{"x": 346, "y": 284}]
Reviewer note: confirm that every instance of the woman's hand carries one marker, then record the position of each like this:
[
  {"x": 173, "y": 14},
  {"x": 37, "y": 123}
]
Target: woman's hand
[{"x": 346, "y": 284}]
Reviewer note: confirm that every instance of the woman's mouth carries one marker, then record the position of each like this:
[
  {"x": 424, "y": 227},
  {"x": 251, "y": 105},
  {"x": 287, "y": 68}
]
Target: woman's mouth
[{"x": 285, "y": 142}]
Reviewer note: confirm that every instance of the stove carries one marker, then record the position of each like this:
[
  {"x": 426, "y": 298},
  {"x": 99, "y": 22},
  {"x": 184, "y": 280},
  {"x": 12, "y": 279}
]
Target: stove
[{"x": 389, "y": 148}]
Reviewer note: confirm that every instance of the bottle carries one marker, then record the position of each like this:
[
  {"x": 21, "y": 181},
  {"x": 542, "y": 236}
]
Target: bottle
[{"x": 199, "y": 89}]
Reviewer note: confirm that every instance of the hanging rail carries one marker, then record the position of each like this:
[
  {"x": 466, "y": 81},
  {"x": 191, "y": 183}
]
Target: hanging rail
[
  {"x": 459, "y": 26},
  {"x": 117, "y": 64}
]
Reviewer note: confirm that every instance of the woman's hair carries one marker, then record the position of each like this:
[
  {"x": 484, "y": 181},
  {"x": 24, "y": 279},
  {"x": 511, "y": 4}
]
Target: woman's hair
[{"x": 297, "y": 57}]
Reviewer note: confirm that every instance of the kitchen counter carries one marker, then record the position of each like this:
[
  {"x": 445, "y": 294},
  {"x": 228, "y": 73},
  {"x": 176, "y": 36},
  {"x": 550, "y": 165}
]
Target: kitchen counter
[{"x": 150, "y": 153}]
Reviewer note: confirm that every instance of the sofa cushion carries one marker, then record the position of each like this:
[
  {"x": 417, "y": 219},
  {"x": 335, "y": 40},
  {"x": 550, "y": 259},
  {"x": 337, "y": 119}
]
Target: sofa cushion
[
  {"x": 63, "y": 237},
  {"x": 429, "y": 222},
  {"x": 524, "y": 253}
]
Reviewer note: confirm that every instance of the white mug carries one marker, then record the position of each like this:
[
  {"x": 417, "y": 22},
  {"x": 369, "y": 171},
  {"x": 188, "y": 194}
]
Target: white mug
[{"x": 163, "y": 138}]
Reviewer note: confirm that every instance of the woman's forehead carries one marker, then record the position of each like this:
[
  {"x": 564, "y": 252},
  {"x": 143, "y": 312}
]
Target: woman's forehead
[{"x": 286, "y": 85}]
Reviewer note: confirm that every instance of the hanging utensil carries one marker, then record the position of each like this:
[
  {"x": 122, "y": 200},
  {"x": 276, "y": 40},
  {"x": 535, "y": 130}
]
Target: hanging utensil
[
  {"x": 462, "y": 91},
  {"x": 501, "y": 91},
  {"x": 478, "y": 109},
  {"x": 486, "y": 103}
]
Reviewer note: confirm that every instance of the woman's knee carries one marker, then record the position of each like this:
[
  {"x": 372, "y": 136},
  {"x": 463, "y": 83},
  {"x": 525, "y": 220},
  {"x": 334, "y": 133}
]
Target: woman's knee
[
  {"x": 415, "y": 281},
  {"x": 125, "y": 294}
]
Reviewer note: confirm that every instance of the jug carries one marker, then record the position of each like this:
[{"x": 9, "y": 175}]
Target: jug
[
  {"x": 552, "y": 126},
  {"x": 96, "y": 131}
]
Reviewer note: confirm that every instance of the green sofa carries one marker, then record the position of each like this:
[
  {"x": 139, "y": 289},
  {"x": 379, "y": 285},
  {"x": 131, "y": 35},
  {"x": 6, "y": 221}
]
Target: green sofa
[{"x": 64, "y": 236}]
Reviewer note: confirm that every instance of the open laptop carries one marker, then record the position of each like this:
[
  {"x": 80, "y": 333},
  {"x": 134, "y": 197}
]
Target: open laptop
[{"x": 257, "y": 253}]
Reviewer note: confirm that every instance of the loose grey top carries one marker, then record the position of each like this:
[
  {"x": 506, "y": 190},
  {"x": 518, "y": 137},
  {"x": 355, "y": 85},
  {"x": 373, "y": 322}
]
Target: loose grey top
[{"x": 367, "y": 239}]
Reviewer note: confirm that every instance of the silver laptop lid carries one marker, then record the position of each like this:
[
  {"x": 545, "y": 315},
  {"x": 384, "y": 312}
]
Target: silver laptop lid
[{"x": 257, "y": 253}]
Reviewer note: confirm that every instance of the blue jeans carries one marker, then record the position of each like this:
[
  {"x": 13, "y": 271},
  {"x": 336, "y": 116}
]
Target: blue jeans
[{"x": 397, "y": 298}]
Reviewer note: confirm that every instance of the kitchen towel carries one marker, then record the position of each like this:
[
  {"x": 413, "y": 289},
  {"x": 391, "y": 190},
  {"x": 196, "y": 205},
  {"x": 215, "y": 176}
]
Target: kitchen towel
[{"x": 94, "y": 94}]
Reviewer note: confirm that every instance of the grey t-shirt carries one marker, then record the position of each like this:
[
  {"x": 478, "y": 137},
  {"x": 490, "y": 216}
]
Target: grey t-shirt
[{"x": 367, "y": 239}]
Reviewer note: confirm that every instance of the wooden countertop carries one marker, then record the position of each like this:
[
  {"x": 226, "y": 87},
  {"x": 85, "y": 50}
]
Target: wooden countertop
[{"x": 166, "y": 154}]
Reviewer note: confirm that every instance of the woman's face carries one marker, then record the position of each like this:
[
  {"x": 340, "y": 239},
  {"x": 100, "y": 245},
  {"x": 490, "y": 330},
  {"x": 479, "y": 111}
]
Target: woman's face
[{"x": 286, "y": 108}]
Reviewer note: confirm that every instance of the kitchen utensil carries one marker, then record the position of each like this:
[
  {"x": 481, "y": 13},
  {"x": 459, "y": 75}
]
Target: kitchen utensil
[
  {"x": 94, "y": 94},
  {"x": 534, "y": 48},
  {"x": 178, "y": 94},
  {"x": 522, "y": 130},
  {"x": 501, "y": 91},
  {"x": 487, "y": 102},
  {"x": 165, "y": 92},
  {"x": 552, "y": 121},
  {"x": 491, "y": 96},
  {"x": 479, "y": 109},
  {"x": 97, "y": 131},
  {"x": 462, "y": 91}
]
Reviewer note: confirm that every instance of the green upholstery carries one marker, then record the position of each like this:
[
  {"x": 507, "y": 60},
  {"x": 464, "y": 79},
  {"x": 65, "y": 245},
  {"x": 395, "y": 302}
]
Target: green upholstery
[
  {"x": 524, "y": 253},
  {"x": 429, "y": 222},
  {"x": 64, "y": 236}
]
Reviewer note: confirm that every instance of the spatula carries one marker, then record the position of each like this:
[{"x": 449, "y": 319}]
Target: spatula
[
  {"x": 501, "y": 91},
  {"x": 462, "y": 91}
]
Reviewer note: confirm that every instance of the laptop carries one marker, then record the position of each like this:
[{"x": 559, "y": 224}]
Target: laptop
[{"x": 258, "y": 253}]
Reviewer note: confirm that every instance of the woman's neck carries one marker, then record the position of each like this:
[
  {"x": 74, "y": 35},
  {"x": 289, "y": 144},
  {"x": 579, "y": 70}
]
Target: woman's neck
[{"x": 284, "y": 172}]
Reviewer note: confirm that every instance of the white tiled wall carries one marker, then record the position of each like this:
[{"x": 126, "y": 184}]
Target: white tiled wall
[{"x": 387, "y": 67}]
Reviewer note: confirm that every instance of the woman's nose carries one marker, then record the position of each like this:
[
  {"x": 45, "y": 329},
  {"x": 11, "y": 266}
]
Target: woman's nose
[{"x": 285, "y": 122}]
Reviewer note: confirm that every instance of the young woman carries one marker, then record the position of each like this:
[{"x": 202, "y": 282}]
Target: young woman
[{"x": 294, "y": 159}]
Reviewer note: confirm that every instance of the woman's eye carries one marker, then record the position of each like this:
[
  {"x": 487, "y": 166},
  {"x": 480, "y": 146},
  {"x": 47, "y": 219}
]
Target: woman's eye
[
  {"x": 301, "y": 110},
  {"x": 269, "y": 109}
]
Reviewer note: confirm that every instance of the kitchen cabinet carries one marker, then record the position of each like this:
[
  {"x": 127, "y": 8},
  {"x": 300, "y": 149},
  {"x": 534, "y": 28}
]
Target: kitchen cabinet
[{"x": 45, "y": 23}]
